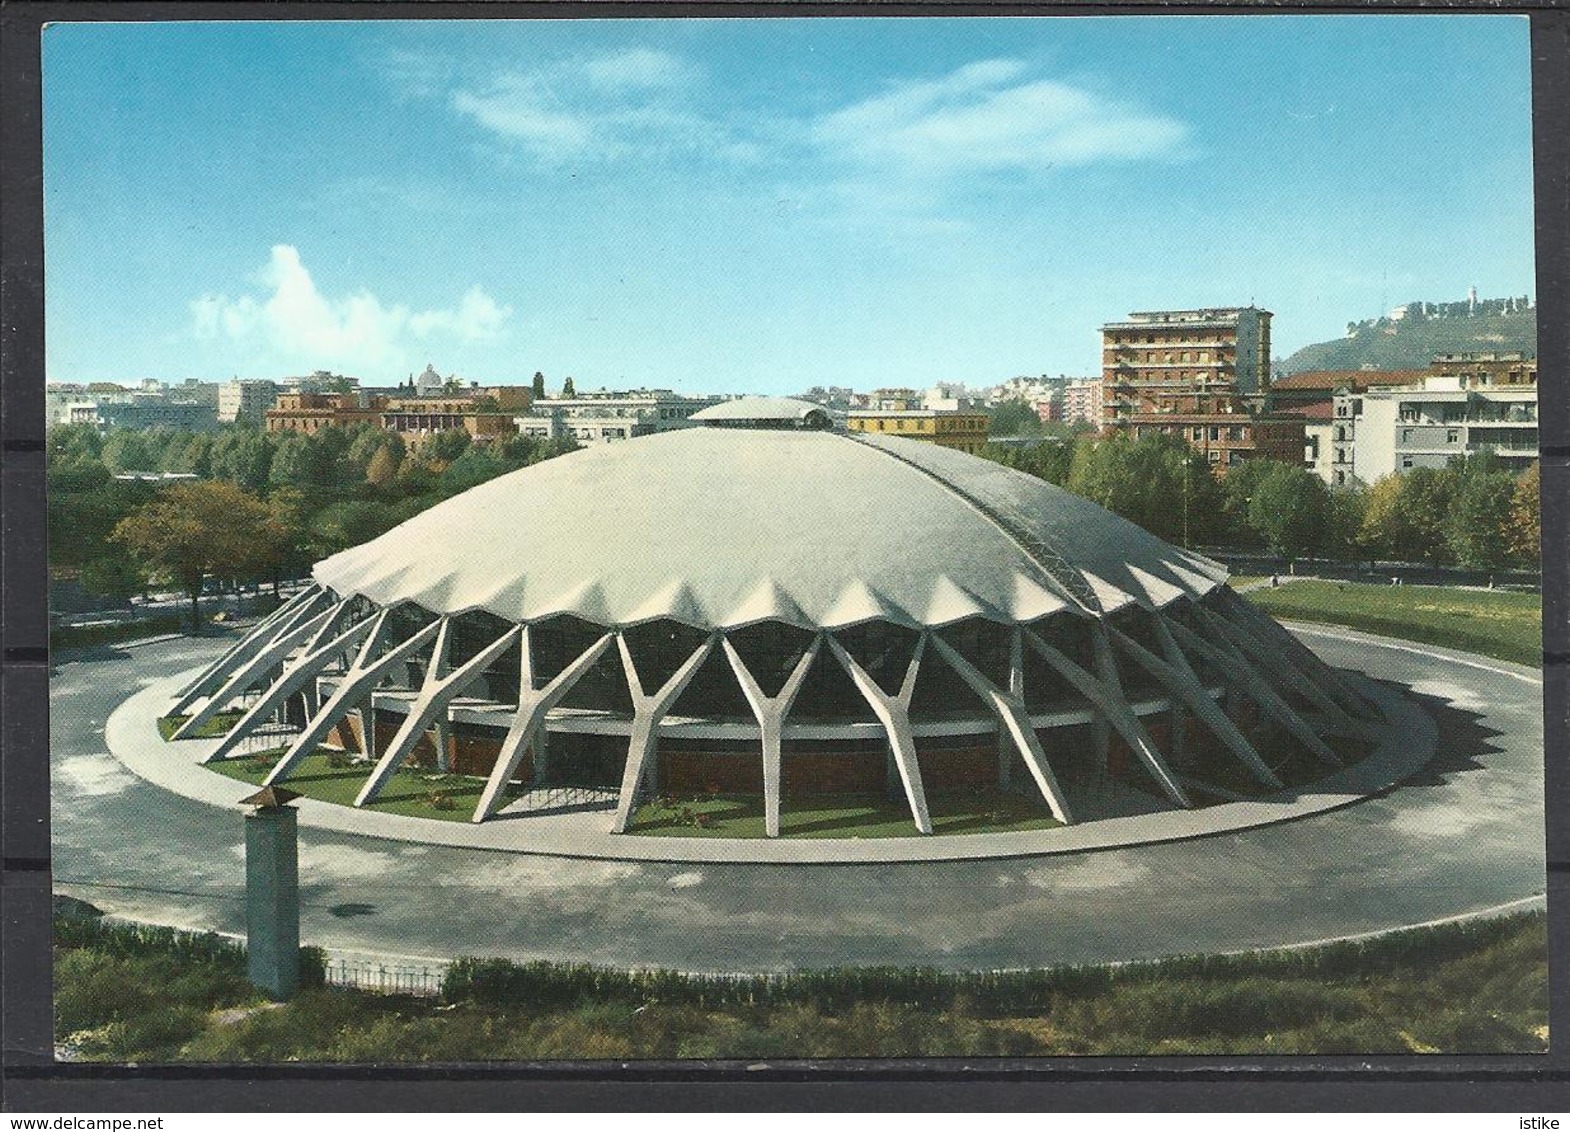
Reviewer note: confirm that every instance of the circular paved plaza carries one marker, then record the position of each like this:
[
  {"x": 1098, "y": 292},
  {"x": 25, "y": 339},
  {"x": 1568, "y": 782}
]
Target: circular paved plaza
[{"x": 1459, "y": 835}]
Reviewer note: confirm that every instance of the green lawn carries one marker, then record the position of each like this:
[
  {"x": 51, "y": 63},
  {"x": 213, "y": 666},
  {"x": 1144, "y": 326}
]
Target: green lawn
[
  {"x": 851, "y": 815},
  {"x": 214, "y": 727},
  {"x": 1508, "y": 626},
  {"x": 328, "y": 777}
]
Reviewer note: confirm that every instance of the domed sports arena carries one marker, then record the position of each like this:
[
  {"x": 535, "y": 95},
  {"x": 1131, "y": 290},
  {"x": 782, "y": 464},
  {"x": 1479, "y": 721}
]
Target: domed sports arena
[{"x": 766, "y": 609}]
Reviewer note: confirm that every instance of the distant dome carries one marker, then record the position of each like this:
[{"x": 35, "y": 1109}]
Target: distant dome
[{"x": 765, "y": 412}]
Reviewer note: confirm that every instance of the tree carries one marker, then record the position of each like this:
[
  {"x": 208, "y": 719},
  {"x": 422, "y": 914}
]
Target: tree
[
  {"x": 1477, "y": 527},
  {"x": 1014, "y": 418},
  {"x": 382, "y": 468},
  {"x": 1157, "y": 481},
  {"x": 1525, "y": 531},
  {"x": 567, "y": 389},
  {"x": 446, "y": 446},
  {"x": 1290, "y": 510},
  {"x": 1379, "y": 534},
  {"x": 1344, "y": 531},
  {"x": 69, "y": 444},
  {"x": 113, "y": 576},
  {"x": 539, "y": 386},
  {"x": 193, "y": 531},
  {"x": 126, "y": 450},
  {"x": 1237, "y": 494},
  {"x": 1405, "y": 518},
  {"x": 476, "y": 465},
  {"x": 243, "y": 456},
  {"x": 339, "y": 526}
]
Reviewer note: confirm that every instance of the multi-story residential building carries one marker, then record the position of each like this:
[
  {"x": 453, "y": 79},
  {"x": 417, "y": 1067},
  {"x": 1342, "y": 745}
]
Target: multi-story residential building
[
  {"x": 946, "y": 397},
  {"x": 246, "y": 399},
  {"x": 1199, "y": 374},
  {"x": 1319, "y": 450},
  {"x": 1082, "y": 402},
  {"x": 59, "y": 396},
  {"x": 1473, "y": 371},
  {"x": 1368, "y": 428},
  {"x": 891, "y": 400},
  {"x": 312, "y": 412},
  {"x": 966, "y": 431},
  {"x": 1381, "y": 431},
  {"x": 600, "y": 418},
  {"x": 1050, "y": 409}
]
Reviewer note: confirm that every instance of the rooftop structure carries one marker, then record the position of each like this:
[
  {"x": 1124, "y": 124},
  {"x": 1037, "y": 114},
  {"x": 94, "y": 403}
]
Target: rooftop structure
[
  {"x": 764, "y": 412},
  {"x": 779, "y": 614},
  {"x": 603, "y": 417}
]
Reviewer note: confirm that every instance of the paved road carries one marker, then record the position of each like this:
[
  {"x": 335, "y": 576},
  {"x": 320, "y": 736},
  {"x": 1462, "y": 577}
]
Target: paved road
[{"x": 1464, "y": 836}]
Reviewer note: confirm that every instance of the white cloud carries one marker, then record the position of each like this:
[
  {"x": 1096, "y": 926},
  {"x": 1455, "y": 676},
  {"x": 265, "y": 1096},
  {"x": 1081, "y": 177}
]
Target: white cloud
[
  {"x": 992, "y": 116},
  {"x": 477, "y": 317},
  {"x": 294, "y": 323},
  {"x": 601, "y": 107},
  {"x": 636, "y": 69}
]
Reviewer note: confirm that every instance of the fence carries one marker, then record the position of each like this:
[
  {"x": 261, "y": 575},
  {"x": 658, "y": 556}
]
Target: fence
[{"x": 384, "y": 979}]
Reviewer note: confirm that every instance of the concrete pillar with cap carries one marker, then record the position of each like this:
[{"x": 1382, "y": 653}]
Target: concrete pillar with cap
[{"x": 272, "y": 891}]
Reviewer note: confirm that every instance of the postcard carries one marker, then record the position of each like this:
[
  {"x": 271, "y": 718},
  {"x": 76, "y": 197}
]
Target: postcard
[{"x": 793, "y": 538}]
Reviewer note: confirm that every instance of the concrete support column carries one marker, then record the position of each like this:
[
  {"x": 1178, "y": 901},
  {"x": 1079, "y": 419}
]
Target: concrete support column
[
  {"x": 1106, "y": 695},
  {"x": 770, "y": 712},
  {"x": 293, "y": 678},
  {"x": 894, "y": 713},
  {"x": 541, "y": 748},
  {"x": 1182, "y": 684},
  {"x": 364, "y": 673},
  {"x": 647, "y": 711},
  {"x": 436, "y": 694},
  {"x": 272, "y": 899},
  {"x": 1013, "y": 719},
  {"x": 443, "y": 743},
  {"x": 528, "y": 723}
]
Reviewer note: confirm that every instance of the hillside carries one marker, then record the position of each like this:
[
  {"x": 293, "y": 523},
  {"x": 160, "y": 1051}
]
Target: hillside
[{"x": 1412, "y": 344}]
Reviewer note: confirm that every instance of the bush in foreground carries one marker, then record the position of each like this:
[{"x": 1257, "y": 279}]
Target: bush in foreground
[{"x": 1480, "y": 987}]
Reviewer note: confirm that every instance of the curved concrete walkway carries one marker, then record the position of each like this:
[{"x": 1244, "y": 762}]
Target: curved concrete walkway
[
  {"x": 1405, "y": 745},
  {"x": 1461, "y": 837}
]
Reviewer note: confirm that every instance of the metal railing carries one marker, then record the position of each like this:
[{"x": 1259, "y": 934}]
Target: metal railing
[{"x": 383, "y": 978}]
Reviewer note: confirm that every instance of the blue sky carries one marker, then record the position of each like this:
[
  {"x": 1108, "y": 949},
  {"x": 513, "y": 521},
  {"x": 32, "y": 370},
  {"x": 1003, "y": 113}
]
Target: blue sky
[{"x": 752, "y": 205}]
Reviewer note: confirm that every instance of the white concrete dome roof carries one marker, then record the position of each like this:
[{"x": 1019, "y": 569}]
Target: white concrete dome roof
[
  {"x": 759, "y": 409},
  {"x": 720, "y": 528}
]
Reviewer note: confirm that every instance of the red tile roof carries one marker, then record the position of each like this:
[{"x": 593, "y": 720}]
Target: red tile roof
[{"x": 1358, "y": 379}]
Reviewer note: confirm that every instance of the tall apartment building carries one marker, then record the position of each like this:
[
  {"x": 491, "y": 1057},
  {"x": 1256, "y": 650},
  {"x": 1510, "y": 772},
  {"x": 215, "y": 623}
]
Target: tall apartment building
[
  {"x": 245, "y": 399},
  {"x": 1082, "y": 402},
  {"x": 1199, "y": 374},
  {"x": 599, "y": 418}
]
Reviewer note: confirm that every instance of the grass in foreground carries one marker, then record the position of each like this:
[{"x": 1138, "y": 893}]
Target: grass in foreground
[
  {"x": 1495, "y": 623},
  {"x": 214, "y": 727},
  {"x": 136, "y": 994},
  {"x": 330, "y": 776},
  {"x": 859, "y": 815}
]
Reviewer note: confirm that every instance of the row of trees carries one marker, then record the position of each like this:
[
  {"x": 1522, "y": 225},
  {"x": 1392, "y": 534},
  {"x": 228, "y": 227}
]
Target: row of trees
[
  {"x": 263, "y": 505},
  {"x": 1474, "y": 513}
]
